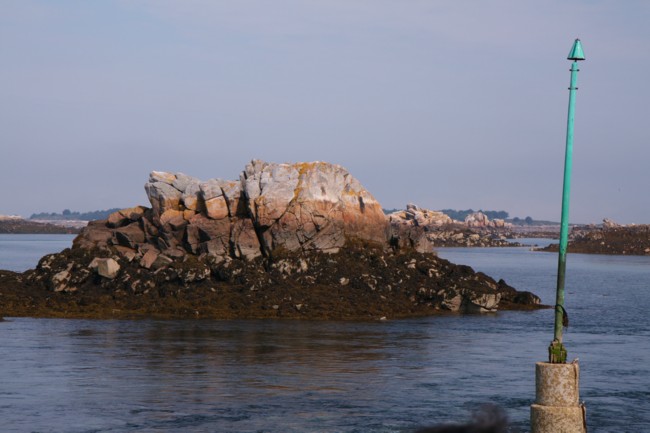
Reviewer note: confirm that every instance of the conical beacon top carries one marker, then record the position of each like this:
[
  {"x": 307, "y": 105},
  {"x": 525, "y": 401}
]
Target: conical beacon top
[{"x": 576, "y": 52}]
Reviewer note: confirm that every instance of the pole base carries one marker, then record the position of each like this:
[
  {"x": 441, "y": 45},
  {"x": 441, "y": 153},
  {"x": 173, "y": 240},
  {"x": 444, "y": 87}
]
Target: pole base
[
  {"x": 557, "y": 419},
  {"x": 557, "y": 384},
  {"x": 556, "y": 353},
  {"x": 557, "y": 407}
]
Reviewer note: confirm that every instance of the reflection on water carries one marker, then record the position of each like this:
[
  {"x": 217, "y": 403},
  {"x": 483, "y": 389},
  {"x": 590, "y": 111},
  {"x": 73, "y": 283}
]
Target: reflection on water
[
  {"x": 252, "y": 375},
  {"x": 249, "y": 376}
]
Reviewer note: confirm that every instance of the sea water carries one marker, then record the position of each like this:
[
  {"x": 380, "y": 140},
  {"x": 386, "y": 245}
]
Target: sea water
[
  {"x": 21, "y": 252},
  {"x": 301, "y": 376}
]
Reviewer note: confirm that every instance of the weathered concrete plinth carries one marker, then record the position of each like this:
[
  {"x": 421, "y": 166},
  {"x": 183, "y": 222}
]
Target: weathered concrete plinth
[{"x": 557, "y": 407}]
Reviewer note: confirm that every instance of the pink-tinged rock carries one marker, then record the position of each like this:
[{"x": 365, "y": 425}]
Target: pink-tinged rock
[
  {"x": 310, "y": 205},
  {"x": 178, "y": 223},
  {"x": 95, "y": 235},
  {"x": 150, "y": 230},
  {"x": 125, "y": 216},
  {"x": 170, "y": 238},
  {"x": 414, "y": 215},
  {"x": 188, "y": 214},
  {"x": 211, "y": 189},
  {"x": 149, "y": 258},
  {"x": 191, "y": 197},
  {"x": 162, "y": 176},
  {"x": 161, "y": 261},
  {"x": 130, "y": 236},
  {"x": 216, "y": 208},
  {"x": 202, "y": 230},
  {"x": 117, "y": 219},
  {"x": 209, "y": 229},
  {"x": 175, "y": 253},
  {"x": 127, "y": 253},
  {"x": 412, "y": 228},
  {"x": 245, "y": 239},
  {"x": 107, "y": 268},
  {"x": 162, "y": 197},
  {"x": 232, "y": 193},
  {"x": 171, "y": 215},
  {"x": 134, "y": 213},
  {"x": 215, "y": 248},
  {"x": 270, "y": 188},
  {"x": 183, "y": 182},
  {"x": 477, "y": 219}
]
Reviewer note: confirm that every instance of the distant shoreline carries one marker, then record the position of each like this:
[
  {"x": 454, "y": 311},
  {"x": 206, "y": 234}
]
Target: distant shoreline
[
  {"x": 632, "y": 240},
  {"x": 22, "y": 226}
]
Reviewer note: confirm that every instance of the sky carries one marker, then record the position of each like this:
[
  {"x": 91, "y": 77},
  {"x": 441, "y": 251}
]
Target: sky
[{"x": 446, "y": 104}]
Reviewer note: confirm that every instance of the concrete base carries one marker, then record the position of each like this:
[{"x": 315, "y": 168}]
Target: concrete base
[
  {"x": 557, "y": 384},
  {"x": 557, "y": 407},
  {"x": 556, "y": 419}
]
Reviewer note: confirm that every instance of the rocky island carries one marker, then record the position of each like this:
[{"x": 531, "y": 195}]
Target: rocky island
[
  {"x": 302, "y": 240},
  {"x": 610, "y": 238},
  {"x": 11, "y": 224},
  {"x": 425, "y": 229}
]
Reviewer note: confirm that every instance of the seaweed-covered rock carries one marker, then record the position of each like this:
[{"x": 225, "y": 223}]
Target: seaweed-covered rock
[
  {"x": 361, "y": 281},
  {"x": 611, "y": 238}
]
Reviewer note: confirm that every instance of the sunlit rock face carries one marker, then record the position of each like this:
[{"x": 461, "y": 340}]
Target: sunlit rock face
[
  {"x": 310, "y": 206},
  {"x": 297, "y": 206}
]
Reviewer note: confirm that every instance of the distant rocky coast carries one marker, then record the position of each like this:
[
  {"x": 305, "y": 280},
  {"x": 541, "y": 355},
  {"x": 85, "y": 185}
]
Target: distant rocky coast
[
  {"x": 301, "y": 240},
  {"x": 18, "y": 225},
  {"x": 424, "y": 229},
  {"x": 610, "y": 238}
]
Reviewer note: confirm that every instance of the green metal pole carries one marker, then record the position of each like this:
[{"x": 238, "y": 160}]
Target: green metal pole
[{"x": 557, "y": 351}]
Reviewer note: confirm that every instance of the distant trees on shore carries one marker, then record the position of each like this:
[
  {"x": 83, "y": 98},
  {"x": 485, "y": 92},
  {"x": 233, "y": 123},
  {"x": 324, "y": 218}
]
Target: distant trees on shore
[
  {"x": 67, "y": 214},
  {"x": 460, "y": 215}
]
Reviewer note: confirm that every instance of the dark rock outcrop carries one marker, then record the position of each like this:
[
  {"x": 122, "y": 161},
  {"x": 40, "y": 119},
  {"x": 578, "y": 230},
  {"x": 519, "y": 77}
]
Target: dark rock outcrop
[
  {"x": 611, "y": 238},
  {"x": 425, "y": 229},
  {"x": 361, "y": 281}
]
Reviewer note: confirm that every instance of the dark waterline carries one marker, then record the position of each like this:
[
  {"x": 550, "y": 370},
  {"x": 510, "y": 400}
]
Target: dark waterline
[{"x": 274, "y": 376}]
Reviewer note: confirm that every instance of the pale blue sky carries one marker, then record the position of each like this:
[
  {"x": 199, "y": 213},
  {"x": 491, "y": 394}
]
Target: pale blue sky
[{"x": 447, "y": 104}]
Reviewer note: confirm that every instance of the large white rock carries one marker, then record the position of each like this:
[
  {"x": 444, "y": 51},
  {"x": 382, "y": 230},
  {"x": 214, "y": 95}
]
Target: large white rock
[
  {"x": 308, "y": 206},
  {"x": 107, "y": 268},
  {"x": 211, "y": 189},
  {"x": 162, "y": 196},
  {"x": 216, "y": 208},
  {"x": 477, "y": 219},
  {"x": 162, "y": 176},
  {"x": 190, "y": 196},
  {"x": 313, "y": 205},
  {"x": 183, "y": 181}
]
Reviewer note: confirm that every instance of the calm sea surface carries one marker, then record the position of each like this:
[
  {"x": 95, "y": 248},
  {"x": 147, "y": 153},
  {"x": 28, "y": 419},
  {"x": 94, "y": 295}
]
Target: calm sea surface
[
  {"x": 21, "y": 252},
  {"x": 272, "y": 376}
]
